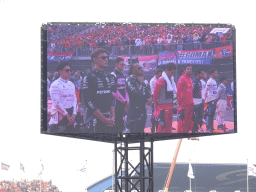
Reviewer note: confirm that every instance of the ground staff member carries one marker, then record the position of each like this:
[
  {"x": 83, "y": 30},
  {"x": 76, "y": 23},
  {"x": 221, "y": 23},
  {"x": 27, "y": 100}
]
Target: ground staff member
[
  {"x": 97, "y": 94},
  {"x": 64, "y": 103},
  {"x": 139, "y": 95}
]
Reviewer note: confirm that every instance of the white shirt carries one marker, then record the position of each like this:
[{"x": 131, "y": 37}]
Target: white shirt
[
  {"x": 152, "y": 84},
  {"x": 138, "y": 42},
  {"x": 211, "y": 90},
  {"x": 63, "y": 96},
  {"x": 159, "y": 40},
  {"x": 232, "y": 86},
  {"x": 203, "y": 88}
]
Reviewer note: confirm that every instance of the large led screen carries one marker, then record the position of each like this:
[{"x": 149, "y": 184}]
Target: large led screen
[{"x": 139, "y": 78}]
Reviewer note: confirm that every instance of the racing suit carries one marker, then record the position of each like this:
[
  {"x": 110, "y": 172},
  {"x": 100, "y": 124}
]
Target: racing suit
[
  {"x": 198, "y": 105},
  {"x": 121, "y": 98},
  {"x": 221, "y": 105},
  {"x": 210, "y": 99},
  {"x": 64, "y": 102},
  {"x": 163, "y": 101},
  {"x": 186, "y": 105},
  {"x": 153, "y": 120},
  {"x": 97, "y": 94},
  {"x": 138, "y": 96}
]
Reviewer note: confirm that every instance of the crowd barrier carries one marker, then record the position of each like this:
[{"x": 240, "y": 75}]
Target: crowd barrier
[{"x": 131, "y": 50}]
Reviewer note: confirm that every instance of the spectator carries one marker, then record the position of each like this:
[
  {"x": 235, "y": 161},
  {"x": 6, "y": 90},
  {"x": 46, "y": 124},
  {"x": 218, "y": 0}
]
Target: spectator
[
  {"x": 190, "y": 41},
  {"x": 223, "y": 38},
  {"x": 159, "y": 40},
  {"x": 209, "y": 41},
  {"x": 196, "y": 41}
]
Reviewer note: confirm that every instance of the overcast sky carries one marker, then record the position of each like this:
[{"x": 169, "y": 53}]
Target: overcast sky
[{"x": 20, "y": 139}]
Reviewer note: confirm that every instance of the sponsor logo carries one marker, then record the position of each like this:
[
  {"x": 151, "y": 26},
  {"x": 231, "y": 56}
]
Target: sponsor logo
[
  {"x": 99, "y": 80},
  {"x": 121, "y": 81},
  {"x": 225, "y": 52},
  {"x": 103, "y": 92},
  {"x": 100, "y": 85},
  {"x": 90, "y": 104},
  {"x": 65, "y": 96}
]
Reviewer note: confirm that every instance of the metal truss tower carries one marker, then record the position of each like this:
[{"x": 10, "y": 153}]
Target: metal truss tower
[{"x": 129, "y": 177}]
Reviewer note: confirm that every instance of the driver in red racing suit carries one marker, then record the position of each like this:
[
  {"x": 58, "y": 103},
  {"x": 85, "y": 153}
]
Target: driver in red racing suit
[
  {"x": 163, "y": 99},
  {"x": 185, "y": 101}
]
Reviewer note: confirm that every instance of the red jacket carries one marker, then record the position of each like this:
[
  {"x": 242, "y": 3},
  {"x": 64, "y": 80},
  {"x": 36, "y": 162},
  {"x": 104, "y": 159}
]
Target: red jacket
[
  {"x": 160, "y": 84},
  {"x": 185, "y": 91}
]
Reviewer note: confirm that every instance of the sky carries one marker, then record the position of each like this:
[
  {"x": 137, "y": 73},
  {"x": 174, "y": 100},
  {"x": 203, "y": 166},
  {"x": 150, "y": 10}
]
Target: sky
[{"x": 20, "y": 138}]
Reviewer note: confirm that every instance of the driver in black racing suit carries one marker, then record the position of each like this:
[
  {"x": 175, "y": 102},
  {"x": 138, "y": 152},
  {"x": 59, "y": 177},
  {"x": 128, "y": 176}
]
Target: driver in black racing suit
[
  {"x": 97, "y": 95},
  {"x": 139, "y": 95}
]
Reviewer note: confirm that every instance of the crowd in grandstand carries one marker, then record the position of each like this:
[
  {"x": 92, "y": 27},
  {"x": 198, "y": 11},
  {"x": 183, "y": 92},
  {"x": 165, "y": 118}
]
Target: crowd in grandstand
[
  {"x": 133, "y": 35},
  {"x": 27, "y": 186}
]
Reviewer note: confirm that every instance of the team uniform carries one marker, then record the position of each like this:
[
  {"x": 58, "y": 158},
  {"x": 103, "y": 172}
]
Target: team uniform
[
  {"x": 203, "y": 89},
  {"x": 121, "y": 98},
  {"x": 138, "y": 96},
  {"x": 211, "y": 93},
  {"x": 97, "y": 94},
  {"x": 62, "y": 93},
  {"x": 163, "y": 100},
  {"x": 186, "y": 105},
  {"x": 198, "y": 105},
  {"x": 153, "y": 120},
  {"x": 221, "y": 105},
  {"x": 152, "y": 84}
]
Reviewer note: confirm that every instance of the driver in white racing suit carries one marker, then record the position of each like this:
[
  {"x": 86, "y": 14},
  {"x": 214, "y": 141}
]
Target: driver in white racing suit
[{"x": 64, "y": 102}]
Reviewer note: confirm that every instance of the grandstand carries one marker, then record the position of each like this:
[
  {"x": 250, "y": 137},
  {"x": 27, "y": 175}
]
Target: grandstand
[
  {"x": 127, "y": 40},
  {"x": 26, "y": 185},
  {"x": 135, "y": 41},
  {"x": 218, "y": 177}
]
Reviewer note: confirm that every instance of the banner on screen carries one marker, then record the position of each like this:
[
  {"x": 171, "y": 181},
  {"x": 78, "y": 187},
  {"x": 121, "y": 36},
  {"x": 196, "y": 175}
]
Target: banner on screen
[
  {"x": 199, "y": 57},
  {"x": 166, "y": 57},
  {"x": 149, "y": 63},
  {"x": 222, "y": 52},
  {"x": 59, "y": 56}
]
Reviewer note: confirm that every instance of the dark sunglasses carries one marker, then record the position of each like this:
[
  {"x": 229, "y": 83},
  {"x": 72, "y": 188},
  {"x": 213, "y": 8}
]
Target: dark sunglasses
[
  {"x": 139, "y": 68},
  {"x": 104, "y": 57},
  {"x": 68, "y": 70}
]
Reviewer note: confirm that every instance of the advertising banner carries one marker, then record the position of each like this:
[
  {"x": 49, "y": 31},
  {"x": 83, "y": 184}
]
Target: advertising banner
[
  {"x": 222, "y": 52},
  {"x": 59, "y": 56},
  {"x": 198, "y": 57},
  {"x": 149, "y": 63},
  {"x": 166, "y": 57}
]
